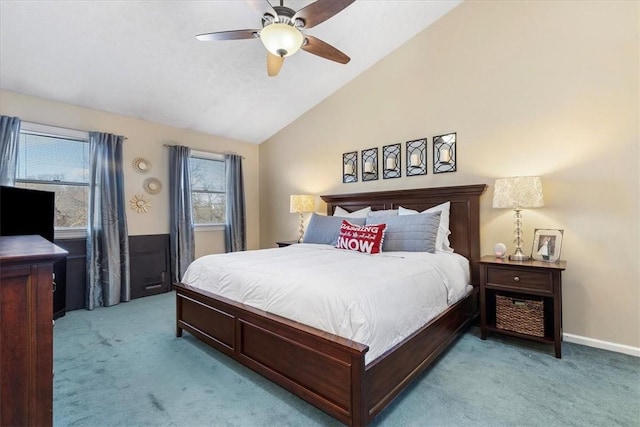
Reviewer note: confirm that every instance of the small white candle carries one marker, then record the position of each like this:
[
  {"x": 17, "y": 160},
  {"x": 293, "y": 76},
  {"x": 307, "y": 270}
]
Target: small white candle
[
  {"x": 445, "y": 155},
  {"x": 348, "y": 169},
  {"x": 415, "y": 160},
  {"x": 391, "y": 163},
  {"x": 368, "y": 167}
]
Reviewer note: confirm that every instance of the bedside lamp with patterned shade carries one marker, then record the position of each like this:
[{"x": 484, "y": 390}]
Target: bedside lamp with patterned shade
[
  {"x": 517, "y": 193},
  {"x": 301, "y": 204}
]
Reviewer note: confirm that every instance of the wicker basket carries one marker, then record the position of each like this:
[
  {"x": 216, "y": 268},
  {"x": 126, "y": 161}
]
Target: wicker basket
[{"x": 523, "y": 315}]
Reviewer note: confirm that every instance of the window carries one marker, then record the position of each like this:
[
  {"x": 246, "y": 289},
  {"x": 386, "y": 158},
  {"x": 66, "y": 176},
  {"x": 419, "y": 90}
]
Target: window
[
  {"x": 56, "y": 159},
  {"x": 208, "y": 185}
]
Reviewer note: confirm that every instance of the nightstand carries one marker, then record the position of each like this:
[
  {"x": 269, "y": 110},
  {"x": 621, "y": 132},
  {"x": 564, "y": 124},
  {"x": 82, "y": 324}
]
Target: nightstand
[
  {"x": 520, "y": 281},
  {"x": 285, "y": 243}
]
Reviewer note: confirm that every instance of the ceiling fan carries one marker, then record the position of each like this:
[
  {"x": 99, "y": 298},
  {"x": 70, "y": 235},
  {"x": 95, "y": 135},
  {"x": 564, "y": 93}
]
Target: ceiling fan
[{"x": 281, "y": 33}]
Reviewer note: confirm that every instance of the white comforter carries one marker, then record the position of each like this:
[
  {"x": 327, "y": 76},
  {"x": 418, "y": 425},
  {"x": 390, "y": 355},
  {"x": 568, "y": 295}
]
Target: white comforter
[{"x": 377, "y": 300}]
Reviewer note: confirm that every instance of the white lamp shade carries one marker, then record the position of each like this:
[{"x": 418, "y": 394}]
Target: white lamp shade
[
  {"x": 518, "y": 192},
  {"x": 302, "y": 203},
  {"x": 281, "y": 39}
]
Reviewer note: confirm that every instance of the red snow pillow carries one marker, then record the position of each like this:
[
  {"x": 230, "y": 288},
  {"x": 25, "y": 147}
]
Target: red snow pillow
[{"x": 366, "y": 238}]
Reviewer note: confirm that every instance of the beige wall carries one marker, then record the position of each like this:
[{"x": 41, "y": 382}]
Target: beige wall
[
  {"x": 146, "y": 139},
  {"x": 531, "y": 88}
]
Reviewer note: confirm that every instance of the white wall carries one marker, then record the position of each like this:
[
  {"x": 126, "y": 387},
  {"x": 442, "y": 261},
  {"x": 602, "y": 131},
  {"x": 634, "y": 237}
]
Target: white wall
[{"x": 531, "y": 88}]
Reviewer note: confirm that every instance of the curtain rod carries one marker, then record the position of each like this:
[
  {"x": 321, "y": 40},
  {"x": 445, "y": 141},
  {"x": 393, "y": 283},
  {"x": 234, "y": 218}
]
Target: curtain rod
[
  {"x": 204, "y": 151},
  {"x": 61, "y": 127}
]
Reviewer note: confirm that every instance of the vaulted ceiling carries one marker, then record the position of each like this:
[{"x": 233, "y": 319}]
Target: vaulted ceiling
[{"x": 141, "y": 58}]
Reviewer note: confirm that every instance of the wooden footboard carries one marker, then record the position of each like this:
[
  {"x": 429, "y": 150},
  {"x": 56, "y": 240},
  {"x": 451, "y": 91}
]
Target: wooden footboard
[{"x": 323, "y": 369}]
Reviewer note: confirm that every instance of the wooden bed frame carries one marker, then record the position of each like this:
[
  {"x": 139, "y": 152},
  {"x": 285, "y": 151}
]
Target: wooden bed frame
[{"x": 326, "y": 370}]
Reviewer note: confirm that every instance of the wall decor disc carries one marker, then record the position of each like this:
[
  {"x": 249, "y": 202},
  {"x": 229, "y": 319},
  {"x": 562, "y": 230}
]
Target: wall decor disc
[
  {"x": 152, "y": 185},
  {"x": 141, "y": 165},
  {"x": 140, "y": 204}
]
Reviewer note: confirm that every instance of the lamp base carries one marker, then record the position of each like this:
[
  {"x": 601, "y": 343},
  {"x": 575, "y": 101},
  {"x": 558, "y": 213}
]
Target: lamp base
[
  {"x": 301, "y": 229},
  {"x": 519, "y": 256}
]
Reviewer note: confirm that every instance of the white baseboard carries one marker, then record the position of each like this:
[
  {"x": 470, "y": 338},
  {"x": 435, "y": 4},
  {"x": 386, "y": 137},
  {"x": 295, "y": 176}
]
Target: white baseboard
[{"x": 604, "y": 345}]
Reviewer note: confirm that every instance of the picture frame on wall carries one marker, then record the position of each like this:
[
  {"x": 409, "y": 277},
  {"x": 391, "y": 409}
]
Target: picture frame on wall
[
  {"x": 547, "y": 244},
  {"x": 369, "y": 159},
  {"x": 417, "y": 157},
  {"x": 444, "y": 153},
  {"x": 350, "y": 167},
  {"x": 391, "y": 161}
]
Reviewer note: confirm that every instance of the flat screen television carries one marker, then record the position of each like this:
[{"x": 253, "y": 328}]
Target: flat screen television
[{"x": 26, "y": 211}]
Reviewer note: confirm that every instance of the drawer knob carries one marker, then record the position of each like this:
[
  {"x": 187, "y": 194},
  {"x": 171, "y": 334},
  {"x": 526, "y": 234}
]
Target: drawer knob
[{"x": 516, "y": 279}]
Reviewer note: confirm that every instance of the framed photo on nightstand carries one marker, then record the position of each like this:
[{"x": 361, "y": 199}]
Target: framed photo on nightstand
[{"x": 547, "y": 244}]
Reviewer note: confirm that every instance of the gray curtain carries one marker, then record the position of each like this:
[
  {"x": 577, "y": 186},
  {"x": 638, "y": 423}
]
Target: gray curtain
[
  {"x": 235, "y": 227},
  {"x": 9, "y": 135},
  {"x": 180, "y": 217},
  {"x": 108, "y": 281}
]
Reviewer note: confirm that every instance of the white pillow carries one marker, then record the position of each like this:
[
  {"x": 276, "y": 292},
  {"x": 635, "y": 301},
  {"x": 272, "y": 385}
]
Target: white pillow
[
  {"x": 442, "y": 239},
  {"x": 362, "y": 213}
]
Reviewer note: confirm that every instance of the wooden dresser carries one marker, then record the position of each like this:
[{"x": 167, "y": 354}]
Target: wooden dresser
[{"x": 26, "y": 330}]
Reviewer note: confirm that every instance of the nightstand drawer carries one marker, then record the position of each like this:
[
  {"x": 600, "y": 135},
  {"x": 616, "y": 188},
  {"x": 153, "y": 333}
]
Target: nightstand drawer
[{"x": 519, "y": 279}]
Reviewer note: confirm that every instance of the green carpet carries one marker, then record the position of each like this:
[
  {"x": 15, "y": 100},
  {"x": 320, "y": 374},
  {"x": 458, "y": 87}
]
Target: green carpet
[{"x": 123, "y": 366}]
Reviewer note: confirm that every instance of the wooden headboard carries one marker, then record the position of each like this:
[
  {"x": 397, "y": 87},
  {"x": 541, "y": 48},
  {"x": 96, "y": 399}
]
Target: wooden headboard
[{"x": 464, "y": 217}]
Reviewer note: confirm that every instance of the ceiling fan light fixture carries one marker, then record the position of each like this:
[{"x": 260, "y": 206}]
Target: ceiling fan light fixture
[{"x": 281, "y": 39}]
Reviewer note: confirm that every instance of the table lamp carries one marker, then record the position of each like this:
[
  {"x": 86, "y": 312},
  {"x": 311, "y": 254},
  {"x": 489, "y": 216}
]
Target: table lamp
[
  {"x": 517, "y": 193},
  {"x": 301, "y": 204}
]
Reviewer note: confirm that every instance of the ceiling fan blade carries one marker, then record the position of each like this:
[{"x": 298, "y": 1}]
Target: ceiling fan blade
[
  {"x": 229, "y": 35},
  {"x": 319, "y": 11},
  {"x": 274, "y": 63},
  {"x": 262, "y": 7},
  {"x": 324, "y": 50}
]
